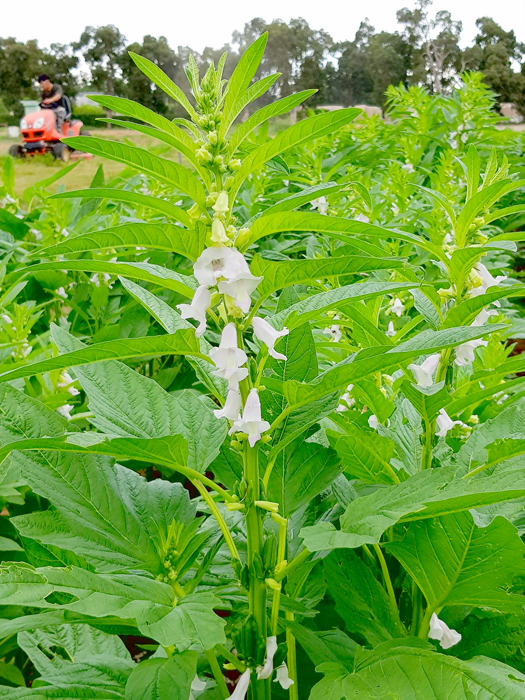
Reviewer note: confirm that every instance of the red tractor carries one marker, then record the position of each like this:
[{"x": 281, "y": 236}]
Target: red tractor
[{"x": 40, "y": 135}]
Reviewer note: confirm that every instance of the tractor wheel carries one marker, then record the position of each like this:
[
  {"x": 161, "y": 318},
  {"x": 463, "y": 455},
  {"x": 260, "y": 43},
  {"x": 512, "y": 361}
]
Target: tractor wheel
[
  {"x": 83, "y": 132},
  {"x": 16, "y": 151},
  {"x": 61, "y": 152}
]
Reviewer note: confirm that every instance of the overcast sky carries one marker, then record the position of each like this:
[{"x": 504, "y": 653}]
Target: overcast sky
[{"x": 200, "y": 23}]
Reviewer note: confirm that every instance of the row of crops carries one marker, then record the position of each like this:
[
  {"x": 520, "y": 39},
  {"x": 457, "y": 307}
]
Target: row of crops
[{"x": 262, "y": 419}]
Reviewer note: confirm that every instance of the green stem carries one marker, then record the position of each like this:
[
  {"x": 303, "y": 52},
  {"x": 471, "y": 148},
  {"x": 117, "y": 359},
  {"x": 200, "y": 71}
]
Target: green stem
[
  {"x": 389, "y": 587},
  {"x": 426, "y": 455},
  {"x": 221, "y": 649},
  {"x": 291, "y": 660},
  {"x": 260, "y": 369},
  {"x": 217, "y": 674},
  {"x": 281, "y": 554},
  {"x": 417, "y": 603},
  {"x": 425, "y": 622},
  {"x": 218, "y": 517},
  {"x": 293, "y": 565}
]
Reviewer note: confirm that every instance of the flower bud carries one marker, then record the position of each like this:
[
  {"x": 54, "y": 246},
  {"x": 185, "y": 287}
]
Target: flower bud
[
  {"x": 213, "y": 138},
  {"x": 242, "y": 237},
  {"x": 221, "y": 205},
  {"x": 218, "y": 233},
  {"x": 234, "y": 164}
]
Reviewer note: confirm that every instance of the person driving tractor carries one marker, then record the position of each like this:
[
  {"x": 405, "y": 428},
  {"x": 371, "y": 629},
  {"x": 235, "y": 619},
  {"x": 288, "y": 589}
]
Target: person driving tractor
[{"x": 52, "y": 99}]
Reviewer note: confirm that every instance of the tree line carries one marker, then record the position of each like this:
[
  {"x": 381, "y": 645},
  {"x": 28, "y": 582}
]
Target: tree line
[{"x": 425, "y": 50}]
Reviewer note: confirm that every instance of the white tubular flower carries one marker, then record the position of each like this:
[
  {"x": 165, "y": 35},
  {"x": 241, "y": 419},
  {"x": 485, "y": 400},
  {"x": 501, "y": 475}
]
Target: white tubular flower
[
  {"x": 228, "y": 358},
  {"x": 65, "y": 410},
  {"x": 397, "y": 307},
  {"x": 346, "y": 401},
  {"x": 264, "y": 672},
  {"x": 240, "y": 289},
  {"x": 483, "y": 317},
  {"x": 200, "y": 303},
  {"x": 363, "y": 218},
  {"x": 216, "y": 263},
  {"x": 373, "y": 421},
  {"x": 218, "y": 233},
  {"x": 221, "y": 206},
  {"x": 7, "y": 319},
  {"x": 423, "y": 373},
  {"x": 465, "y": 352},
  {"x": 95, "y": 280},
  {"x": 487, "y": 281},
  {"x": 282, "y": 677},
  {"x": 321, "y": 204},
  {"x": 445, "y": 423},
  {"x": 440, "y": 631},
  {"x": 334, "y": 332},
  {"x": 61, "y": 292},
  {"x": 251, "y": 423},
  {"x": 269, "y": 336},
  {"x": 242, "y": 686},
  {"x": 232, "y": 407},
  {"x": 391, "y": 330}
]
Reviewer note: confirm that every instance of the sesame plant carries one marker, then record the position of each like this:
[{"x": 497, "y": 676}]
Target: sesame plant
[{"x": 292, "y": 465}]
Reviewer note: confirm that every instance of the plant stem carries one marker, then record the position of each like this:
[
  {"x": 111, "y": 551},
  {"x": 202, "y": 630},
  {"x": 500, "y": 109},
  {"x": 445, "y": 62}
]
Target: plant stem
[
  {"x": 426, "y": 455},
  {"x": 292, "y": 660},
  {"x": 294, "y": 564},
  {"x": 221, "y": 649},
  {"x": 218, "y": 517},
  {"x": 281, "y": 554},
  {"x": 417, "y": 601},
  {"x": 217, "y": 674},
  {"x": 388, "y": 583}
]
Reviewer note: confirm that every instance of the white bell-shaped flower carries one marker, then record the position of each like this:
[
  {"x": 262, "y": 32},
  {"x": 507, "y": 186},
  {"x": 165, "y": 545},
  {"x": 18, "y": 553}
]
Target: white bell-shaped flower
[
  {"x": 221, "y": 205},
  {"x": 282, "y": 677},
  {"x": 483, "y": 317},
  {"x": 334, "y": 333},
  {"x": 218, "y": 233},
  {"x": 423, "y": 373},
  {"x": 65, "y": 410},
  {"x": 269, "y": 336},
  {"x": 265, "y": 671},
  {"x": 487, "y": 281},
  {"x": 219, "y": 263},
  {"x": 373, "y": 421},
  {"x": 240, "y": 288},
  {"x": 397, "y": 307},
  {"x": 200, "y": 304},
  {"x": 242, "y": 686},
  {"x": 391, "y": 330},
  {"x": 251, "y": 423},
  {"x": 232, "y": 406},
  {"x": 229, "y": 358},
  {"x": 321, "y": 204},
  {"x": 440, "y": 631},
  {"x": 465, "y": 352},
  {"x": 445, "y": 423}
]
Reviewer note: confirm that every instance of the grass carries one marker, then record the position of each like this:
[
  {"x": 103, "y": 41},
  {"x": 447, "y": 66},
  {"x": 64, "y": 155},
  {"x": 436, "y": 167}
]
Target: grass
[{"x": 31, "y": 170}]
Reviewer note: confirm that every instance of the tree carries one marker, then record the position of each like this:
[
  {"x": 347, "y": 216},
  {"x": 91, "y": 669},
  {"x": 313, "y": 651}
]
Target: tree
[
  {"x": 19, "y": 68},
  {"x": 102, "y": 48},
  {"x": 58, "y": 63}
]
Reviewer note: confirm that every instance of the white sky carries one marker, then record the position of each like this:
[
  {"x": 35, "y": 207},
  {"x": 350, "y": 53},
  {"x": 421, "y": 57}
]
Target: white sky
[{"x": 200, "y": 23}]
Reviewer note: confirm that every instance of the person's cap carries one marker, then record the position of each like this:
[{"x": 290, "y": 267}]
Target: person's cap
[{"x": 43, "y": 77}]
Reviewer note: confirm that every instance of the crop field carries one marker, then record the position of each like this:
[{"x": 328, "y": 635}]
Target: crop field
[{"x": 262, "y": 401}]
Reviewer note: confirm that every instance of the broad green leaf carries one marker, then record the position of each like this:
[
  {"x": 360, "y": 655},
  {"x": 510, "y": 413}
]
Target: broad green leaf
[
  {"x": 316, "y": 304},
  {"x": 275, "y": 109},
  {"x": 471, "y": 399},
  {"x": 293, "y": 136},
  {"x": 323, "y": 647},
  {"x": 365, "y": 454},
  {"x": 157, "y": 236},
  {"x": 96, "y": 659},
  {"x": 54, "y": 693},
  {"x": 473, "y": 165},
  {"x": 284, "y": 274},
  {"x": 500, "y": 637},
  {"x": 12, "y": 224},
  {"x": 281, "y": 221},
  {"x": 181, "y": 343},
  {"x": 160, "y": 276},
  {"x": 467, "y": 310},
  {"x": 297, "y": 200},
  {"x": 241, "y": 77},
  {"x": 410, "y": 670},
  {"x": 157, "y": 679},
  {"x": 427, "y": 309},
  {"x": 128, "y": 404},
  {"x": 172, "y": 321},
  {"x": 301, "y": 472},
  {"x": 428, "y": 494},
  {"x": 11, "y": 673},
  {"x": 142, "y": 200},
  {"x": 360, "y": 600},
  {"x": 510, "y": 422},
  {"x": 454, "y": 562},
  {"x": 463, "y": 259},
  {"x": 160, "y": 168},
  {"x": 427, "y": 401}
]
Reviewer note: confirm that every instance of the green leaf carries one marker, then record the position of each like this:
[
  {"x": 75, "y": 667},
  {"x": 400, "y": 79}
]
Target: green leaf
[
  {"x": 326, "y": 646},
  {"x": 454, "y": 562},
  {"x": 128, "y": 404},
  {"x": 12, "y": 673},
  {"x": 428, "y": 494},
  {"x": 300, "y": 133},
  {"x": 157, "y": 679},
  {"x": 280, "y": 221},
  {"x": 360, "y": 600},
  {"x": 365, "y": 454},
  {"x": 467, "y": 310},
  {"x": 54, "y": 693},
  {"x": 239, "y": 81},
  {"x": 472, "y": 163},
  {"x": 158, "y": 236},
  {"x": 181, "y": 343},
  {"x": 142, "y": 200},
  {"x": 284, "y": 274},
  {"x": 160, "y": 276},
  {"x": 297, "y": 200},
  {"x": 12, "y": 224},
  {"x": 410, "y": 670},
  {"x": 275, "y": 109},
  {"x": 160, "y": 168},
  {"x": 500, "y": 637}
]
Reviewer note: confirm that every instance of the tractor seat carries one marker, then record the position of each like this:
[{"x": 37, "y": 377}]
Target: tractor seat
[{"x": 67, "y": 105}]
